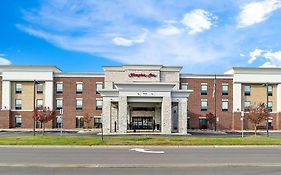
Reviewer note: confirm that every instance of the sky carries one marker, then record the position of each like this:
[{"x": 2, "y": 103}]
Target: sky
[{"x": 82, "y": 36}]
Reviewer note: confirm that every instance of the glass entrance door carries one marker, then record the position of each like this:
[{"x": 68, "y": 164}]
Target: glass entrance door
[{"x": 142, "y": 122}]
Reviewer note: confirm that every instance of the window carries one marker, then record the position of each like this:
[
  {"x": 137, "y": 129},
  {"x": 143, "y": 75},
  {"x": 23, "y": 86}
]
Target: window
[
  {"x": 98, "y": 87},
  {"x": 97, "y": 122},
  {"x": 40, "y": 88},
  {"x": 247, "y": 90},
  {"x": 79, "y": 104},
  {"x": 39, "y": 103},
  {"x": 204, "y": 89},
  {"x": 59, "y": 103},
  {"x": 98, "y": 104},
  {"x": 269, "y": 106},
  {"x": 184, "y": 86},
  {"x": 59, "y": 88},
  {"x": 79, "y": 122},
  {"x": 204, "y": 105},
  {"x": 203, "y": 123},
  {"x": 18, "y": 104},
  {"x": 247, "y": 105},
  {"x": 18, "y": 121},
  {"x": 224, "y": 105},
  {"x": 79, "y": 88},
  {"x": 224, "y": 89},
  {"x": 269, "y": 90},
  {"x": 59, "y": 121},
  {"x": 18, "y": 88},
  {"x": 269, "y": 122}
]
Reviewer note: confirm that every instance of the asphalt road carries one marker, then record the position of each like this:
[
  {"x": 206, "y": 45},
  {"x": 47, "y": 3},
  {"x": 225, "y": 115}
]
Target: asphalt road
[{"x": 124, "y": 160}]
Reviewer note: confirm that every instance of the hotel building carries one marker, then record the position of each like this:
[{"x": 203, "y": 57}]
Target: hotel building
[{"x": 137, "y": 98}]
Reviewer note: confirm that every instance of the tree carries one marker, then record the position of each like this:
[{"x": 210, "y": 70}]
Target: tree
[
  {"x": 257, "y": 114},
  {"x": 87, "y": 119},
  {"x": 211, "y": 118},
  {"x": 44, "y": 115}
]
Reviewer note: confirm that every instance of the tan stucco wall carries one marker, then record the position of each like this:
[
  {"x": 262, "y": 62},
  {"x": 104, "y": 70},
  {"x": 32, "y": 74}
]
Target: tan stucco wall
[
  {"x": 26, "y": 96},
  {"x": 258, "y": 95}
]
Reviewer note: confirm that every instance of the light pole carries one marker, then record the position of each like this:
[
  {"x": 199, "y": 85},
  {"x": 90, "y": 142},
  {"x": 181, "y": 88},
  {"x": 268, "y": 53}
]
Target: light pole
[
  {"x": 267, "y": 132},
  {"x": 34, "y": 103}
]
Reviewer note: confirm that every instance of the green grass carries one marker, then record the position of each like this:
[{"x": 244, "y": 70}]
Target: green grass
[{"x": 137, "y": 140}]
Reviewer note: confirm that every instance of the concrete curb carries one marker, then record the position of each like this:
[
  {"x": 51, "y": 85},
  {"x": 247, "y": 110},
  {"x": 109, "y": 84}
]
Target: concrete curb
[
  {"x": 140, "y": 146},
  {"x": 212, "y": 165}
]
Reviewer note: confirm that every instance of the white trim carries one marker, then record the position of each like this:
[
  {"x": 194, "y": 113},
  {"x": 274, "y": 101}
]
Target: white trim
[
  {"x": 206, "y": 76},
  {"x": 78, "y": 74}
]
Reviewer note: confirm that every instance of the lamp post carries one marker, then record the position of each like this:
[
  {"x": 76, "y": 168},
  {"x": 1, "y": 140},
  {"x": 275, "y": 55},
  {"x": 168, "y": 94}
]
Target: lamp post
[
  {"x": 34, "y": 103},
  {"x": 267, "y": 132}
]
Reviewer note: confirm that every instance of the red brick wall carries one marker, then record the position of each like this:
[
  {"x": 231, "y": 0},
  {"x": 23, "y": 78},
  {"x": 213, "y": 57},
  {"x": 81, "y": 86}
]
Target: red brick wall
[
  {"x": 194, "y": 101},
  {"x": 69, "y": 99}
]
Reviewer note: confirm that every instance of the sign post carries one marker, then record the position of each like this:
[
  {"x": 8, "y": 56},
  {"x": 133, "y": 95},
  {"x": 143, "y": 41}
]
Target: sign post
[
  {"x": 242, "y": 123},
  {"x": 61, "y": 121}
]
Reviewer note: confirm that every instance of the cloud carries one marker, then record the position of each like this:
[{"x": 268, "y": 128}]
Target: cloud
[
  {"x": 272, "y": 59},
  {"x": 254, "y": 54},
  {"x": 169, "y": 30},
  {"x": 256, "y": 12},
  {"x": 4, "y": 61},
  {"x": 198, "y": 20},
  {"x": 128, "y": 42}
]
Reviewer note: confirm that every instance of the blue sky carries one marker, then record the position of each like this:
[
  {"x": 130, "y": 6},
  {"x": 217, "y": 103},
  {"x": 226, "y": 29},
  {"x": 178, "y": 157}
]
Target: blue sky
[{"x": 82, "y": 36}]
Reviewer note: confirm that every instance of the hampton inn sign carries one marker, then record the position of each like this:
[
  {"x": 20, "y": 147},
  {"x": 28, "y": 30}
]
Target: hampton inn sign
[{"x": 142, "y": 75}]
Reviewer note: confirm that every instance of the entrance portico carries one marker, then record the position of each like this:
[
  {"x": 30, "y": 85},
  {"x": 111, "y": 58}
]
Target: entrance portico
[{"x": 152, "y": 104}]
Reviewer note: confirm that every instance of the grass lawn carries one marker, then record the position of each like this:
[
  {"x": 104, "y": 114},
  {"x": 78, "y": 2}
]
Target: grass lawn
[{"x": 137, "y": 140}]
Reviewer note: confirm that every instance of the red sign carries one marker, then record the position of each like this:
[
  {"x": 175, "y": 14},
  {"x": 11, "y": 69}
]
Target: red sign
[{"x": 142, "y": 75}]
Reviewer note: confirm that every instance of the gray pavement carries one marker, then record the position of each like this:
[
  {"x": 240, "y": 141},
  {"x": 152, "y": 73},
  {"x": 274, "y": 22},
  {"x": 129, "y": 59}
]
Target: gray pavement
[{"x": 122, "y": 160}]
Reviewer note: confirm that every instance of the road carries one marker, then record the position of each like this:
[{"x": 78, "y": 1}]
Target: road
[{"x": 124, "y": 160}]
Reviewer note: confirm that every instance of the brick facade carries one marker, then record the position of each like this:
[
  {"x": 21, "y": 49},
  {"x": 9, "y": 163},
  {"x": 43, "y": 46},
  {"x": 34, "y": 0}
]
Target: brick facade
[
  {"x": 69, "y": 96},
  {"x": 194, "y": 101}
]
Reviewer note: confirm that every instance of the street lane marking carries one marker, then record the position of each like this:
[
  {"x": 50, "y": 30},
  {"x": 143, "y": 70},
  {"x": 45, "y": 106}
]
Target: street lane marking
[{"x": 141, "y": 150}]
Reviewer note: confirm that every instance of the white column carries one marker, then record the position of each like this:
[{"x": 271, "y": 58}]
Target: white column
[
  {"x": 106, "y": 114},
  {"x": 237, "y": 96},
  {"x": 6, "y": 95},
  {"x": 123, "y": 114},
  {"x": 278, "y": 98},
  {"x": 166, "y": 115},
  {"x": 182, "y": 116},
  {"x": 49, "y": 94}
]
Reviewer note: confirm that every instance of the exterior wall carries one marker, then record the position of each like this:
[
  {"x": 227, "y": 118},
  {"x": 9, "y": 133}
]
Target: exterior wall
[
  {"x": 258, "y": 95},
  {"x": 194, "y": 101},
  {"x": 69, "y": 96},
  {"x": 27, "y": 95},
  {"x": 4, "y": 114}
]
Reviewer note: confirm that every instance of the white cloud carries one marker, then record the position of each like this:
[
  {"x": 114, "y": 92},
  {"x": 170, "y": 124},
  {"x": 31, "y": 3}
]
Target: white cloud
[
  {"x": 120, "y": 41},
  {"x": 254, "y": 54},
  {"x": 4, "y": 61},
  {"x": 169, "y": 30},
  {"x": 198, "y": 20},
  {"x": 272, "y": 59},
  {"x": 256, "y": 12}
]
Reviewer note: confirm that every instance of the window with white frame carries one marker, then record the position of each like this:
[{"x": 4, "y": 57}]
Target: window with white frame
[
  {"x": 39, "y": 88},
  {"x": 247, "y": 90},
  {"x": 18, "y": 104},
  {"x": 59, "y": 88},
  {"x": 204, "y": 105},
  {"x": 79, "y": 104},
  {"x": 99, "y": 86},
  {"x": 39, "y": 103},
  {"x": 18, "y": 88},
  {"x": 98, "y": 104},
  {"x": 79, "y": 88},
  {"x": 269, "y": 90},
  {"x": 269, "y": 106},
  {"x": 224, "y": 105},
  {"x": 59, "y": 103},
  {"x": 224, "y": 89},
  {"x": 18, "y": 121},
  {"x": 79, "y": 122},
  {"x": 204, "y": 89},
  {"x": 247, "y": 105},
  {"x": 184, "y": 86}
]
